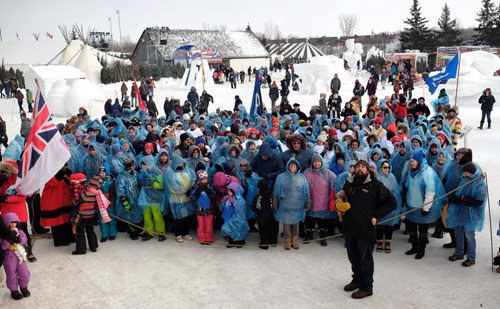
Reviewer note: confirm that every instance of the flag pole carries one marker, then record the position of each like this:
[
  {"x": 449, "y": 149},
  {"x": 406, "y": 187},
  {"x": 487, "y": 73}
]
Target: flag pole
[
  {"x": 202, "y": 69},
  {"x": 458, "y": 75}
]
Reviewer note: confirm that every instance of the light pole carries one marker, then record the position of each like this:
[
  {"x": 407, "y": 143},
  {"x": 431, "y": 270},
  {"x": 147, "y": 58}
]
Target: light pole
[
  {"x": 120, "y": 30},
  {"x": 111, "y": 30}
]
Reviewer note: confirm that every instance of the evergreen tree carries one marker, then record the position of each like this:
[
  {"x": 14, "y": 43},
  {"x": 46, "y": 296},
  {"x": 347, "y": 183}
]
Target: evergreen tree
[
  {"x": 487, "y": 28},
  {"x": 418, "y": 35},
  {"x": 448, "y": 33}
]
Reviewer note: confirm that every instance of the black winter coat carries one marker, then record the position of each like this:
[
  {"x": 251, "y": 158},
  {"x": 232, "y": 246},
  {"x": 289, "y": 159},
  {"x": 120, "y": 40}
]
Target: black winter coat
[
  {"x": 487, "y": 103},
  {"x": 369, "y": 199}
]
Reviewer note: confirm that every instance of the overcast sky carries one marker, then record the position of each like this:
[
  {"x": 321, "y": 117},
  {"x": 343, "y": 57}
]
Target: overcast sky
[{"x": 311, "y": 18}]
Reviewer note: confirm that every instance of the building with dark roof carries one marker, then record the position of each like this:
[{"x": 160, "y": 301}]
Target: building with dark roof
[{"x": 238, "y": 49}]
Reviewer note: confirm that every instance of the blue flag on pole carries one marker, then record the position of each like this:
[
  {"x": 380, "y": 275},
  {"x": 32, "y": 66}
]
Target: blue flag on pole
[
  {"x": 450, "y": 71},
  {"x": 257, "y": 107}
]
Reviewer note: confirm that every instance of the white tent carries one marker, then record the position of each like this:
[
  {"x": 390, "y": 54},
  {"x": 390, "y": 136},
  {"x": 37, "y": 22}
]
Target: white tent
[
  {"x": 299, "y": 51},
  {"x": 87, "y": 62},
  {"x": 71, "y": 52},
  {"x": 47, "y": 75}
]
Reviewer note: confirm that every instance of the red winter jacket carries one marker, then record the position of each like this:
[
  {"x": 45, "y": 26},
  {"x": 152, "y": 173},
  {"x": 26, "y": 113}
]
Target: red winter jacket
[{"x": 401, "y": 110}]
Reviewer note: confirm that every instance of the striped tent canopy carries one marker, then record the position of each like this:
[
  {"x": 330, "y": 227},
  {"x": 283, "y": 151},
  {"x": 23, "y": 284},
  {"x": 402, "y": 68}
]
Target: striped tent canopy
[{"x": 298, "y": 51}]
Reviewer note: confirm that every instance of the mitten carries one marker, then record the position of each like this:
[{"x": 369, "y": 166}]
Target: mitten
[
  {"x": 425, "y": 212},
  {"x": 156, "y": 185},
  {"x": 126, "y": 205}
]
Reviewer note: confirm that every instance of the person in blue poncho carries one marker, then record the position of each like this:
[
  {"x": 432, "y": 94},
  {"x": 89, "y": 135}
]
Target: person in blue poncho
[
  {"x": 235, "y": 227},
  {"x": 386, "y": 227},
  {"x": 291, "y": 199},
  {"x": 151, "y": 201},
  {"x": 127, "y": 192},
  {"x": 466, "y": 213},
  {"x": 179, "y": 180},
  {"x": 422, "y": 186}
]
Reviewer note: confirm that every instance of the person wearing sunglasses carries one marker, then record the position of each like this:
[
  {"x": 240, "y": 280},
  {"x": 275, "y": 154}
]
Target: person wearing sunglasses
[{"x": 385, "y": 228}]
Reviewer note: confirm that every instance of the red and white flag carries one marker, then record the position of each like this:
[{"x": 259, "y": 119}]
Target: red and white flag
[
  {"x": 50, "y": 36},
  {"x": 142, "y": 105},
  {"x": 45, "y": 152}
]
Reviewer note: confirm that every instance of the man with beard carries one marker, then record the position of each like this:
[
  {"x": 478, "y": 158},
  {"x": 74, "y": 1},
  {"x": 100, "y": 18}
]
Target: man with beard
[{"x": 363, "y": 200}]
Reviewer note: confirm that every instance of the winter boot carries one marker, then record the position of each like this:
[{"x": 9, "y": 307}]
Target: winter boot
[
  {"x": 481, "y": 125},
  {"x": 380, "y": 245},
  {"x": 438, "y": 230},
  {"x": 453, "y": 242},
  {"x": 489, "y": 124},
  {"x": 309, "y": 235},
  {"x": 16, "y": 295},
  {"x": 295, "y": 242},
  {"x": 414, "y": 244},
  {"x": 25, "y": 292},
  {"x": 288, "y": 243},
  {"x": 322, "y": 234},
  {"x": 422, "y": 243},
  {"x": 29, "y": 251},
  {"x": 387, "y": 247}
]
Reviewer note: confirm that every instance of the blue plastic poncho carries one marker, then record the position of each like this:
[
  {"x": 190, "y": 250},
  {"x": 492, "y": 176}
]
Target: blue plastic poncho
[
  {"x": 292, "y": 191},
  {"x": 127, "y": 185},
  {"x": 391, "y": 183},
  {"x": 177, "y": 182},
  {"x": 148, "y": 195},
  {"x": 234, "y": 214},
  {"x": 418, "y": 183},
  {"x": 471, "y": 218}
]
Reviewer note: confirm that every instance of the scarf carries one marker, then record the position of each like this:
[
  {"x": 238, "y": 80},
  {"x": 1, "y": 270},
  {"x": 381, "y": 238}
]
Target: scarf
[{"x": 102, "y": 204}]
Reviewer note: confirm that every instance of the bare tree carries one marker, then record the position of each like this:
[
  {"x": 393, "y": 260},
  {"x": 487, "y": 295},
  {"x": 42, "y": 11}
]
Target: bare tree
[
  {"x": 348, "y": 24},
  {"x": 272, "y": 31},
  {"x": 36, "y": 35}
]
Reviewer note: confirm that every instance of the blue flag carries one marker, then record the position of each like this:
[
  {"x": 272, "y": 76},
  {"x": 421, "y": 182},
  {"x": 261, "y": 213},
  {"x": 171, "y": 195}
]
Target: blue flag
[
  {"x": 450, "y": 71},
  {"x": 257, "y": 107}
]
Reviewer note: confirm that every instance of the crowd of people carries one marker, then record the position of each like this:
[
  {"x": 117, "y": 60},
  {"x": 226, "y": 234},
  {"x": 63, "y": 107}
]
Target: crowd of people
[{"x": 338, "y": 170}]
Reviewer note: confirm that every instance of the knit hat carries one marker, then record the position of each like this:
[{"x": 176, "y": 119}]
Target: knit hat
[
  {"x": 470, "y": 168},
  {"x": 377, "y": 120},
  {"x": 200, "y": 139},
  {"x": 332, "y": 132},
  {"x": 100, "y": 139},
  {"x": 184, "y": 136},
  {"x": 363, "y": 162},
  {"x": 186, "y": 117},
  {"x": 77, "y": 177},
  {"x": 442, "y": 136},
  {"x": 275, "y": 120},
  {"x": 273, "y": 129},
  {"x": 349, "y": 119},
  {"x": 418, "y": 156},
  {"x": 149, "y": 146},
  {"x": 201, "y": 174},
  {"x": 322, "y": 137},
  {"x": 128, "y": 164}
]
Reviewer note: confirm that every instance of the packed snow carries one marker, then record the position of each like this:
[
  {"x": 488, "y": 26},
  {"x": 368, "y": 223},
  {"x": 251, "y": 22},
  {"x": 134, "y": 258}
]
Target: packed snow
[{"x": 140, "y": 274}]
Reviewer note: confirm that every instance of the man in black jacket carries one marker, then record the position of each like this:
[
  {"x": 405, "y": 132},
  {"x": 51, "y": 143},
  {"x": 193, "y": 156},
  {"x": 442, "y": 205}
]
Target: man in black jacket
[
  {"x": 296, "y": 110},
  {"x": 363, "y": 200}
]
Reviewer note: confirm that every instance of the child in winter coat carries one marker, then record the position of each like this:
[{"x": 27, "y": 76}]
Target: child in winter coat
[
  {"x": 263, "y": 208},
  {"x": 204, "y": 196},
  {"x": 108, "y": 229},
  {"x": 91, "y": 200},
  {"x": 16, "y": 268},
  {"x": 233, "y": 208}
]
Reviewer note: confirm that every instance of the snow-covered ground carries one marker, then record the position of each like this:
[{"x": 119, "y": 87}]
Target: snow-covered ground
[{"x": 127, "y": 274}]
